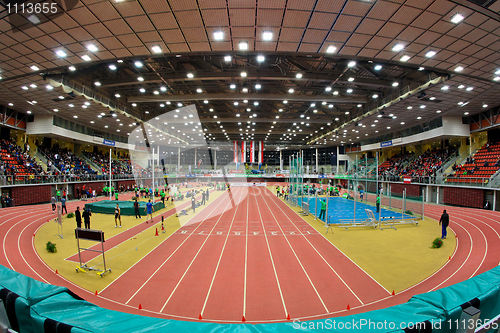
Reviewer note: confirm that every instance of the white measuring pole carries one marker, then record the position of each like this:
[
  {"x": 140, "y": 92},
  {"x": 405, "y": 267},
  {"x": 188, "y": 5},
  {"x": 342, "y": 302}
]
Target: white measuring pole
[
  {"x": 153, "y": 173},
  {"x": 110, "y": 173}
]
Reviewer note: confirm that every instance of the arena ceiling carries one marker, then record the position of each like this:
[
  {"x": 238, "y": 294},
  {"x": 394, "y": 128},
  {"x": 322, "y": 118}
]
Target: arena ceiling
[{"x": 285, "y": 71}]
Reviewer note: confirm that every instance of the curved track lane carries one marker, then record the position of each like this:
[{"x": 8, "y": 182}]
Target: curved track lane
[{"x": 477, "y": 231}]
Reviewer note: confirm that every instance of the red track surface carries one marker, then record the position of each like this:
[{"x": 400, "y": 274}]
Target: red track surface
[{"x": 249, "y": 255}]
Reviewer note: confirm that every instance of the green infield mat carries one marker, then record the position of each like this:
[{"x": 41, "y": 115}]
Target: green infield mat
[{"x": 126, "y": 207}]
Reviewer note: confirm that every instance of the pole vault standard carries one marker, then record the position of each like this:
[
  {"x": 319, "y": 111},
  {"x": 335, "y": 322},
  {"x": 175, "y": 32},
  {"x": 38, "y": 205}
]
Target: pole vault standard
[
  {"x": 153, "y": 173},
  {"x": 110, "y": 168}
]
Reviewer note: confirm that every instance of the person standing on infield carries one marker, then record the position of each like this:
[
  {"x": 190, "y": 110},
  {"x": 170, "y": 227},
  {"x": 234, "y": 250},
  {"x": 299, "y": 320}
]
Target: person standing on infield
[
  {"x": 63, "y": 205},
  {"x": 118, "y": 216},
  {"x": 444, "y": 221},
  {"x": 193, "y": 203},
  {"x": 149, "y": 211},
  {"x": 78, "y": 218},
  {"x": 136, "y": 209},
  {"x": 322, "y": 213},
  {"x": 86, "y": 217}
]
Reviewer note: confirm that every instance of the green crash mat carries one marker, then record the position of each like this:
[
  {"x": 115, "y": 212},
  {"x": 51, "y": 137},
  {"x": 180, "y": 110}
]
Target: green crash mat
[{"x": 126, "y": 207}]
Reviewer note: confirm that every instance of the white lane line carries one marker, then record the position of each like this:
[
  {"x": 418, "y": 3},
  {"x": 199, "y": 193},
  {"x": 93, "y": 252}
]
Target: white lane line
[
  {"x": 482, "y": 234},
  {"x": 296, "y": 256},
  {"x": 166, "y": 260},
  {"x": 229, "y": 203},
  {"x": 30, "y": 216},
  {"x": 314, "y": 248},
  {"x": 246, "y": 260},
  {"x": 220, "y": 256},
  {"x": 31, "y": 213},
  {"x": 271, "y": 256},
  {"x": 463, "y": 263},
  {"x": 360, "y": 268}
]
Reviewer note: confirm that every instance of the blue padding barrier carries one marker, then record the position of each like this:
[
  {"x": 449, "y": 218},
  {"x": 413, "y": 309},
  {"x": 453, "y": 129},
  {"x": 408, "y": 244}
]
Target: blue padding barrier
[{"x": 34, "y": 306}]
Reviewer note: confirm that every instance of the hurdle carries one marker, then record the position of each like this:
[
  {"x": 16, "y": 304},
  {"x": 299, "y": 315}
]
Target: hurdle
[
  {"x": 391, "y": 222},
  {"x": 304, "y": 206},
  {"x": 369, "y": 222},
  {"x": 92, "y": 235}
]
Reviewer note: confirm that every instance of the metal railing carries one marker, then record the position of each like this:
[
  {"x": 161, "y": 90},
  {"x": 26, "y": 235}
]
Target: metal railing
[{"x": 9, "y": 180}]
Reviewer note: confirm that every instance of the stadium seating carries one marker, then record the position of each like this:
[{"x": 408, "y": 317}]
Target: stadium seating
[
  {"x": 14, "y": 161},
  {"x": 67, "y": 162},
  {"x": 422, "y": 166},
  {"x": 480, "y": 167}
]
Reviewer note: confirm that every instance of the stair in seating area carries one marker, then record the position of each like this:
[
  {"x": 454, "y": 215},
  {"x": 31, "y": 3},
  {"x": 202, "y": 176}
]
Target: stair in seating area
[
  {"x": 482, "y": 166},
  {"x": 7, "y": 157}
]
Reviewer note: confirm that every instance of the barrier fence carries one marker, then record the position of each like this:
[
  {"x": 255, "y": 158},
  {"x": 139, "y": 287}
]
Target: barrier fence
[{"x": 33, "y": 306}]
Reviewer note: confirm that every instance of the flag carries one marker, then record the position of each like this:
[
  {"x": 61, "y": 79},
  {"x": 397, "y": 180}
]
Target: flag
[
  {"x": 252, "y": 151},
  {"x": 243, "y": 152},
  {"x": 261, "y": 152}
]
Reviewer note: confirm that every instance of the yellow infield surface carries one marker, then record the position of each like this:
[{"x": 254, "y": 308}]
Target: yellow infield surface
[
  {"x": 118, "y": 258},
  {"x": 397, "y": 259}
]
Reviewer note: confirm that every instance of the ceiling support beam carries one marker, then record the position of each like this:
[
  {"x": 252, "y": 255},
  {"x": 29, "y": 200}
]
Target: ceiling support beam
[{"x": 242, "y": 96}]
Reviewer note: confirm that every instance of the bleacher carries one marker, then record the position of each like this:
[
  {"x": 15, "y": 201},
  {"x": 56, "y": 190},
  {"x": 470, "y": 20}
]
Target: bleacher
[
  {"x": 15, "y": 162},
  {"x": 480, "y": 167}
]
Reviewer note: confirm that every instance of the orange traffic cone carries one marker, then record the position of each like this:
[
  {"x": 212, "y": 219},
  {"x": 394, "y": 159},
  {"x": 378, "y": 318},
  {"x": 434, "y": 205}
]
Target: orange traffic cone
[
  {"x": 393, "y": 293},
  {"x": 288, "y": 317},
  {"x": 96, "y": 293},
  {"x": 57, "y": 272},
  {"x": 156, "y": 233},
  {"x": 243, "y": 319},
  {"x": 348, "y": 307},
  {"x": 162, "y": 228},
  {"x": 140, "y": 306},
  {"x": 200, "y": 317}
]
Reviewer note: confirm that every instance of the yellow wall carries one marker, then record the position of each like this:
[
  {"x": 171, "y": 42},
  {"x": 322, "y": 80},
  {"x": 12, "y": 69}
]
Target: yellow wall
[
  {"x": 64, "y": 144},
  {"x": 477, "y": 140}
]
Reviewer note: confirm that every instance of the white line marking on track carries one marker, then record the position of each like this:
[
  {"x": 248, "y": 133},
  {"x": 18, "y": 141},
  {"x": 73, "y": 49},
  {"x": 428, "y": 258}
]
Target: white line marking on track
[
  {"x": 166, "y": 260},
  {"x": 230, "y": 202},
  {"x": 297, "y": 257},
  {"x": 220, "y": 258},
  {"x": 246, "y": 261},
  {"x": 8, "y": 231},
  {"x": 271, "y": 256},
  {"x": 315, "y": 249}
]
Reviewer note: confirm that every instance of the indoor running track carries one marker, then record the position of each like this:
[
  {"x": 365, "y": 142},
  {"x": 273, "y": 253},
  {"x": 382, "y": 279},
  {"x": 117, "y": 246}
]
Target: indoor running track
[{"x": 248, "y": 256}]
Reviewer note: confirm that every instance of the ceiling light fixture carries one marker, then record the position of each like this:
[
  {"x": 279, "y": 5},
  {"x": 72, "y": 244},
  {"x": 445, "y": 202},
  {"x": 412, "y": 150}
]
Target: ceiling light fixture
[
  {"x": 156, "y": 49},
  {"x": 219, "y": 35},
  {"x": 457, "y": 18},
  {"x": 61, "y": 53},
  {"x": 86, "y": 57},
  {"x": 92, "y": 48},
  {"x": 377, "y": 67},
  {"x": 405, "y": 58},
  {"x": 228, "y": 58},
  {"x": 398, "y": 47},
  {"x": 243, "y": 46},
  {"x": 267, "y": 36},
  {"x": 331, "y": 49},
  {"x": 430, "y": 54}
]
